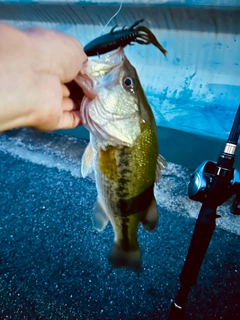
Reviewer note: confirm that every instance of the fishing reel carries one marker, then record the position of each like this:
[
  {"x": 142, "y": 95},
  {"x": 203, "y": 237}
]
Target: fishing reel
[{"x": 200, "y": 181}]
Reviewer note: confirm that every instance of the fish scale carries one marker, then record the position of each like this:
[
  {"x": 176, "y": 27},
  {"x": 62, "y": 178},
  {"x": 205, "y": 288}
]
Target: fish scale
[
  {"x": 123, "y": 152},
  {"x": 120, "y": 164}
]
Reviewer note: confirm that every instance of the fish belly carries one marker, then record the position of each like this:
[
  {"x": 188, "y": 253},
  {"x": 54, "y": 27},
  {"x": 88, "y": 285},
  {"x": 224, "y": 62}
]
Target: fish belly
[{"x": 125, "y": 178}]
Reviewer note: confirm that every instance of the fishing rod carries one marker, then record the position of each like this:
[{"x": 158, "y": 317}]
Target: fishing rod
[{"x": 211, "y": 184}]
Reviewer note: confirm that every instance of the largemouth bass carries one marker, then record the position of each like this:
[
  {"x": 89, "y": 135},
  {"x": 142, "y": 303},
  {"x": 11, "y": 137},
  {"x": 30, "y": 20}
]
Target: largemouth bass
[{"x": 123, "y": 152}]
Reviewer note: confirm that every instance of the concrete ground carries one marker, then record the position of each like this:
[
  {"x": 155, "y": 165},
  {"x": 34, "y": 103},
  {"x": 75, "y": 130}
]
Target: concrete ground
[{"x": 53, "y": 264}]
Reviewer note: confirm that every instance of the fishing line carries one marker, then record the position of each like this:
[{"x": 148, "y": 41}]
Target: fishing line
[{"x": 119, "y": 9}]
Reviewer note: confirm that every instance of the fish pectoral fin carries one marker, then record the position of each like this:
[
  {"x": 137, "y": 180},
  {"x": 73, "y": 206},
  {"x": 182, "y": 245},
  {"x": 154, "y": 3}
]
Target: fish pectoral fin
[
  {"x": 87, "y": 161},
  {"x": 125, "y": 259},
  {"x": 150, "y": 221},
  {"x": 161, "y": 165},
  {"x": 99, "y": 218}
]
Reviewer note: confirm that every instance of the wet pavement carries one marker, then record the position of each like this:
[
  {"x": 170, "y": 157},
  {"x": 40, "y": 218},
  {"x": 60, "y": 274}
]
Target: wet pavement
[{"x": 53, "y": 264}]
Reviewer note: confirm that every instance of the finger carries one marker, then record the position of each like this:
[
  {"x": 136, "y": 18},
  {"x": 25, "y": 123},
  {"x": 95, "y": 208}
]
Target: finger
[
  {"x": 65, "y": 91},
  {"x": 69, "y": 105},
  {"x": 59, "y": 54},
  {"x": 70, "y": 120}
]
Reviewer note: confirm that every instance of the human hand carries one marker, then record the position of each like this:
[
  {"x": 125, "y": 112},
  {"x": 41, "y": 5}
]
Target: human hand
[{"x": 35, "y": 66}]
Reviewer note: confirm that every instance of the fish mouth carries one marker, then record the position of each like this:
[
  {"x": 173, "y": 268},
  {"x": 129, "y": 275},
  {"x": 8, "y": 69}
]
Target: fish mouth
[
  {"x": 76, "y": 92},
  {"x": 96, "y": 67},
  {"x": 96, "y": 117},
  {"x": 85, "y": 83},
  {"x": 99, "y": 66}
]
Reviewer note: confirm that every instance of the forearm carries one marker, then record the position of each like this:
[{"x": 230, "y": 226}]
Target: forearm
[
  {"x": 14, "y": 46},
  {"x": 34, "y": 66}
]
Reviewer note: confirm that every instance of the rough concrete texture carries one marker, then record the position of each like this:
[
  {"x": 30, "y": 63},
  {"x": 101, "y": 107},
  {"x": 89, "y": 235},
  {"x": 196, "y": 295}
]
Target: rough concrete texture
[
  {"x": 196, "y": 87},
  {"x": 53, "y": 264}
]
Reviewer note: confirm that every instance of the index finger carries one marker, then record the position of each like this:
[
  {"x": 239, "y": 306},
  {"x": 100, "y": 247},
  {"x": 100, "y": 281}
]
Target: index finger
[{"x": 58, "y": 54}]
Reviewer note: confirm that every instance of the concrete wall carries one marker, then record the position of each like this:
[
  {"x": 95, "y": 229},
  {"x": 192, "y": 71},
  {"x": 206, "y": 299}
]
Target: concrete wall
[{"x": 196, "y": 89}]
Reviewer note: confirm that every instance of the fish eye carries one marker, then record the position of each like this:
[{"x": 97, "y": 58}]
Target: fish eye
[{"x": 128, "y": 82}]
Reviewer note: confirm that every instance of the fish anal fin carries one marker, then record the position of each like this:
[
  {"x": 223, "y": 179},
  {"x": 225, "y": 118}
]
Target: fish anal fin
[
  {"x": 99, "y": 218},
  {"x": 125, "y": 259},
  {"x": 87, "y": 161},
  {"x": 161, "y": 165},
  {"x": 150, "y": 220}
]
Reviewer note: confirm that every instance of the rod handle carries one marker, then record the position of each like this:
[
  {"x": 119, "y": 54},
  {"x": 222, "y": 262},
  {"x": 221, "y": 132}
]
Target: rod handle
[{"x": 176, "y": 312}]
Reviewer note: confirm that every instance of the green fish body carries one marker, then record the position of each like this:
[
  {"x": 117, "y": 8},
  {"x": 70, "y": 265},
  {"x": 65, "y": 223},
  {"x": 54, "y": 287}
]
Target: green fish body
[{"x": 123, "y": 152}]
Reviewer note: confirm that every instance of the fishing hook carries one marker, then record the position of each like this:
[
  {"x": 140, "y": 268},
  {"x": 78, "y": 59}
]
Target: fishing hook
[{"x": 122, "y": 38}]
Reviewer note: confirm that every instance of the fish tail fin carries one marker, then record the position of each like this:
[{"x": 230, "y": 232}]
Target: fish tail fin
[
  {"x": 150, "y": 220},
  {"x": 125, "y": 259}
]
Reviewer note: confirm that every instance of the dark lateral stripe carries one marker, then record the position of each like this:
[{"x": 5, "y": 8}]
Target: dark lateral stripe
[
  {"x": 136, "y": 204},
  {"x": 125, "y": 240}
]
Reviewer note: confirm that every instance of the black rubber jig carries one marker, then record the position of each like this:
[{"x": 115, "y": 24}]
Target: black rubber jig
[{"x": 121, "y": 38}]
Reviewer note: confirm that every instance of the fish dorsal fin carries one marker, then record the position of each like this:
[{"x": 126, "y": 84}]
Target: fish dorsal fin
[
  {"x": 99, "y": 217},
  {"x": 161, "y": 165},
  {"x": 150, "y": 221},
  {"x": 87, "y": 161}
]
